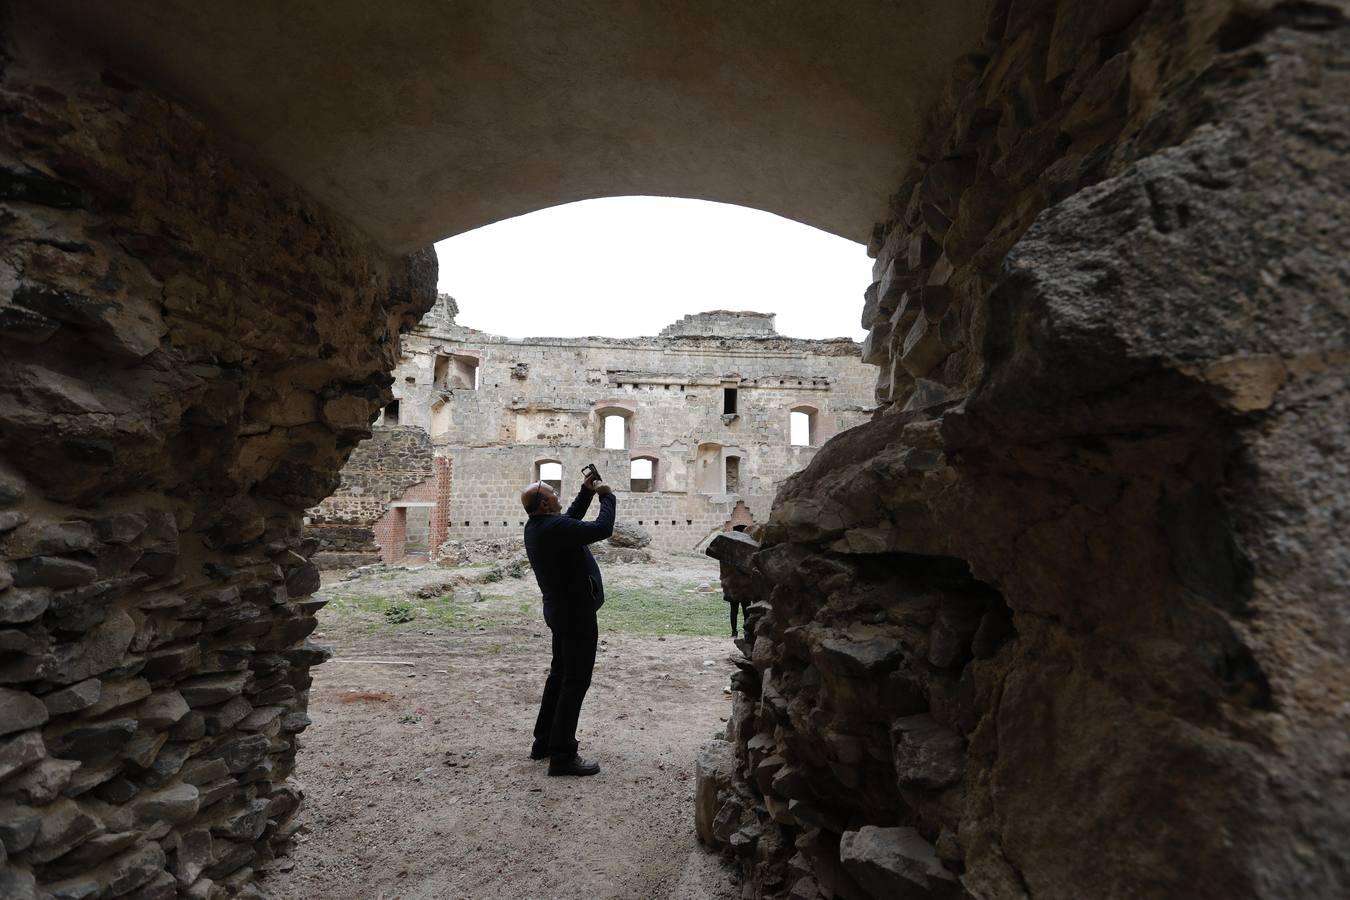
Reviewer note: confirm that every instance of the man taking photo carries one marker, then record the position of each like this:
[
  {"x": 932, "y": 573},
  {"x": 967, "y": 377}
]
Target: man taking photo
[{"x": 573, "y": 591}]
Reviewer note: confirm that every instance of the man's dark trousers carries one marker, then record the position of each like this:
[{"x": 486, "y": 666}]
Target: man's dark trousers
[
  {"x": 573, "y": 590},
  {"x": 569, "y": 677}
]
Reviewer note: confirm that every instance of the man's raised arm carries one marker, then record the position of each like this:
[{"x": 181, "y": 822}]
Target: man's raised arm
[
  {"x": 574, "y": 533},
  {"x": 583, "y": 502}
]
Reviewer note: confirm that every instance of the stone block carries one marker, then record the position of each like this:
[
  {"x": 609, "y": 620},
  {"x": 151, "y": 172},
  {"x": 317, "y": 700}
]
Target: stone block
[
  {"x": 162, "y": 710},
  {"x": 115, "y": 694},
  {"x": 19, "y": 826},
  {"x": 225, "y": 716},
  {"x": 19, "y": 711},
  {"x": 102, "y": 649},
  {"x": 52, "y": 572},
  {"x": 210, "y": 690},
  {"x": 40, "y": 784},
  {"x": 16, "y": 883},
  {"x": 927, "y": 755},
  {"x": 734, "y": 548},
  {"x": 74, "y": 698},
  {"x": 92, "y": 743},
  {"x": 19, "y": 604},
  {"x": 242, "y": 754},
  {"x": 713, "y": 769},
  {"x": 896, "y": 864},
  {"x": 173, "y": 804},
  {"x": 65, "y": 825}
]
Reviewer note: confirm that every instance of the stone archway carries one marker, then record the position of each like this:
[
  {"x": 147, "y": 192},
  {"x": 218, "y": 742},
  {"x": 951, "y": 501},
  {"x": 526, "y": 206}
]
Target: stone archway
[{"x": 1108, "y": 308}]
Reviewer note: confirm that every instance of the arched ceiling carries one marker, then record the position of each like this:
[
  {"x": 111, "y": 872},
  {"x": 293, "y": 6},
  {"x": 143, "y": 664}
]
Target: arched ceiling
[{"x": 420, "y": 119}]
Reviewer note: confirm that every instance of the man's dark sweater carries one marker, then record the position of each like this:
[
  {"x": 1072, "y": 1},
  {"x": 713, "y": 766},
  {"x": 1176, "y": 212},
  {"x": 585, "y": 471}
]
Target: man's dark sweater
[{"x": 557, "y": 547}]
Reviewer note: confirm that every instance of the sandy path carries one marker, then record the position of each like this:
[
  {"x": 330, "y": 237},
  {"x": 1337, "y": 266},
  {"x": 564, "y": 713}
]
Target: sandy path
[{"x": 431, "y": 794}]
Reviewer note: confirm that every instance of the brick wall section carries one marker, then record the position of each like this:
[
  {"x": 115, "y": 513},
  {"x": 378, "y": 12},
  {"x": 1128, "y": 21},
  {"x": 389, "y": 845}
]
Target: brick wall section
[{"x": 440, "y": 514}]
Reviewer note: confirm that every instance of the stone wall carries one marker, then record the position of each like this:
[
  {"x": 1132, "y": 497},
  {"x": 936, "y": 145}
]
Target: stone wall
[
  {"x": 189, "y": 350},
  {"x": 1068, "y": 618},
  {"x": 544, "y": 398},
  {"x": 723, "y": 323},
  {"x": 384, "y": 468}
]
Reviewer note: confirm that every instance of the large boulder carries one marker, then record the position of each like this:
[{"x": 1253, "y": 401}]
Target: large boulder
[{"x": 629, "y": 535}]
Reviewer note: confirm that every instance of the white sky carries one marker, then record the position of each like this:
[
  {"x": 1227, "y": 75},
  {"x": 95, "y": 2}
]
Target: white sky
[{"x": 629, "y": 266}]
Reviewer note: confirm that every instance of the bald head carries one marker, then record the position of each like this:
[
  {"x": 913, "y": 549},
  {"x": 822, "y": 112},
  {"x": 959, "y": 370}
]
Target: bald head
[{"x": 540, "y": 499}]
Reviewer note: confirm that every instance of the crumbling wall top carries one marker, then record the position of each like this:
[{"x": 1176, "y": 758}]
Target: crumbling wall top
[{"x": 723, "y": 323}]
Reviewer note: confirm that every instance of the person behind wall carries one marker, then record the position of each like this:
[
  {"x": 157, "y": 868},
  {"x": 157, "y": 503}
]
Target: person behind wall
[
  {"x": 735, "y": 589},
  {"x": 569, "y": 579}
]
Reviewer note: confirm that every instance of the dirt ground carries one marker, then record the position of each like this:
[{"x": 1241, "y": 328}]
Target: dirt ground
[{"x": 418, "y": 779}]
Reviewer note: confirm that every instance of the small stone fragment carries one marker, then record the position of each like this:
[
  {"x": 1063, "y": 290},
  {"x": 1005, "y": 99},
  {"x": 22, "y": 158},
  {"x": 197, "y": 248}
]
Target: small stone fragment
[
  {"x": 74, "y": 698},
  {"x": 19, "y": 604},
  {"x": 172, "y": 804},
  {"x": 41, "y": 783},
  {"x": 162, "y": 710},
  {"x": 53, "y": 572},
  {"x": 243, "y": 753},
  {"x": 209, "y": 690},
  {"x": 94, "y": 743},
  {"x": 19, "y": 825},
  {"x": 20, "y": 752},
  {"x": 64, "y": 826},
  {"x": 20, "y": 710}
]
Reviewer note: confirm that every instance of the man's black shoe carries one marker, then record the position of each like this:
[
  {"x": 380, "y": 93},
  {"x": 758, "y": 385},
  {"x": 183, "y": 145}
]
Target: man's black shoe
[
  {"x": 537, "y": 753},
  {"x": 574, "y": 766}
]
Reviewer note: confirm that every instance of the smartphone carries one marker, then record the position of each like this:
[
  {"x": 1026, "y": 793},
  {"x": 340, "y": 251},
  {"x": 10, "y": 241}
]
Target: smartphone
[{"x": 590, "y": 471}]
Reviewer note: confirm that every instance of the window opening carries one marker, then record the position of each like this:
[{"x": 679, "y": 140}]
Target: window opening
[
  {"x": 550, "y": 473},
  {"x": 391, "y": 413},
  {"x": 802, "y": 431},
  {"x": 728, "y": 401},
  {"x": 464, "y": 373},
  {"x": 441, "y": 372},
  {"x": 642, "y": 475},
  {"x": 733, "y": 474},
  {"x": 615, "y": 432}
]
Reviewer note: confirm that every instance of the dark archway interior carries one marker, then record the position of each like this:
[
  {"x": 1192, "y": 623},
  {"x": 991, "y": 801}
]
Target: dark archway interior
[{"x": 1066, "y": 619}]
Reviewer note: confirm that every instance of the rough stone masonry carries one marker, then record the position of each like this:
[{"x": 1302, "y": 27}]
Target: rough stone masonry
[
  {"x": 1067, "y": 619},
  {"x": 188, "y": 351}
]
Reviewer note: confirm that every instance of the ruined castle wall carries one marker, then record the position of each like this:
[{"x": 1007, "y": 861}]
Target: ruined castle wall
[
  {"x": 543, "y": 399},
  {"x": 189, "y": 349},
  {"x": 1067, "y": 619}
]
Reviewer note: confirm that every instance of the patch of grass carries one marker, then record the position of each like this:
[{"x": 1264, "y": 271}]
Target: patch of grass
[
  {"x": 397, "y": 615},
  {"x": 664, "y": 611}
]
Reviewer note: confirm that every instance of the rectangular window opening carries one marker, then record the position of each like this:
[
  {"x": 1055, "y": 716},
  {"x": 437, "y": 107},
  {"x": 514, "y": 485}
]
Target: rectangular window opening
[{"x": 728, "y": 401}]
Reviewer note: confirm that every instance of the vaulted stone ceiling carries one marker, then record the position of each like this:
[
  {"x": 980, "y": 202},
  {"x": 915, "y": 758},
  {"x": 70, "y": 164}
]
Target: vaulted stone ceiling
[{"x": 418, "y": 120}]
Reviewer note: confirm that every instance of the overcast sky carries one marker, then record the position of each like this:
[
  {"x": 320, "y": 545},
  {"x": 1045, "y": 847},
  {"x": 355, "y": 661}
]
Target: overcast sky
[{"x": 629, "y": 266}]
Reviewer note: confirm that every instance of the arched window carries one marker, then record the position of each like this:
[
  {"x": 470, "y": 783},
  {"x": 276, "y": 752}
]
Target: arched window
[
  {"x": 550, "y": 472},
  {"x": 642, "y": 474},
  {"x": 614, "y": 427},
  {"x": 803, "y": 426}
]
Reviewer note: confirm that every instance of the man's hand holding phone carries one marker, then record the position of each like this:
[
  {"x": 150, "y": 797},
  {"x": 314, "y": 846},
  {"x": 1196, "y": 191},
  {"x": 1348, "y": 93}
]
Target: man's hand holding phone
[{"x": 592, "y": 476}]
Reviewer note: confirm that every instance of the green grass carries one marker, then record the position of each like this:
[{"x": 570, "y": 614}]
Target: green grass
[
  {"x": 669, "y": 609},
  {"x": 664, "y": 611}
]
